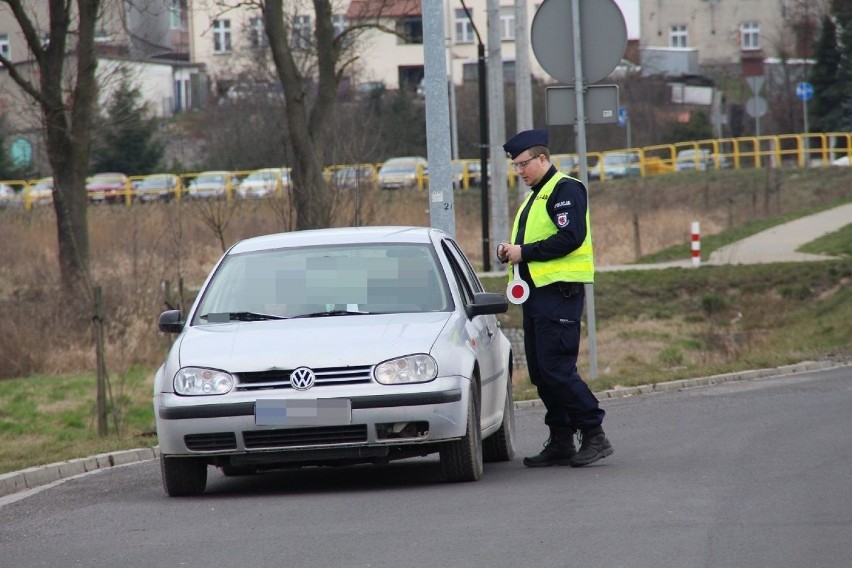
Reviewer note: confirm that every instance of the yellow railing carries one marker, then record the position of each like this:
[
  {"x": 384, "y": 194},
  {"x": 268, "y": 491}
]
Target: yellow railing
[{"x": 783, "y": 150}]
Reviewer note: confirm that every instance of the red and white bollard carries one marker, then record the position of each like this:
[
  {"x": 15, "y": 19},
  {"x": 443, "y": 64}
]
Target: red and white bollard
[{"x": 696, "y": 245}]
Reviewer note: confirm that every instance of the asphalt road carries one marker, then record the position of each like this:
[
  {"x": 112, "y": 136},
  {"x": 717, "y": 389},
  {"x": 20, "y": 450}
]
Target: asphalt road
[{"x": 744, "y": 474}]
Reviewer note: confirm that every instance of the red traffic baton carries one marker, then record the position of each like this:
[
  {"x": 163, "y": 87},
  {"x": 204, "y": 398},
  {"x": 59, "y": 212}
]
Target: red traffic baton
[{"x": 517, "y": 291}]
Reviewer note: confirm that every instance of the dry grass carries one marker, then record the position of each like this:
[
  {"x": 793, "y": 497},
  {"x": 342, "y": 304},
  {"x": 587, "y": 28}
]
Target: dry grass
[{"x": 136, "y": 250}]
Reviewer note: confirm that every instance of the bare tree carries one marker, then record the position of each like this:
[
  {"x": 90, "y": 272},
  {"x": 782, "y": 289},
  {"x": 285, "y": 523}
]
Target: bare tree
[{"x": 67, "y": 109}]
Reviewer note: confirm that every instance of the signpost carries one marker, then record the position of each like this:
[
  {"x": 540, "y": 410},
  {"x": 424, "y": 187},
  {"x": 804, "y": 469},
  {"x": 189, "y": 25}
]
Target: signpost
[
  {"x": 572, "y": 57},
  {"x": 805, "y": 92},
  {"x": 756, "y": 105}
]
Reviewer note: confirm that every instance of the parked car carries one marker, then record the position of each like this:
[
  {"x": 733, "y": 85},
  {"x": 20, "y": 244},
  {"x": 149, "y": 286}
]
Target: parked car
[
  {"x": 703, "y": 160},
  {"x": 474, "y": 170},
  {"x": 212, "y": 184},
  {"x": 617, "y": 165},
  {"x": 41, "y": 191},
  {"x": 360, "y": 176},
  {"x": 9, "y": 197},
  {"x": 402, "y": 173},
  {"x": 264, "y": 183},
  {"x": 334, "y": 347},
  {"x": 841, "y": 161},
  {"x": 107, "y": 187},
  {"x": 157, "y": 187}
]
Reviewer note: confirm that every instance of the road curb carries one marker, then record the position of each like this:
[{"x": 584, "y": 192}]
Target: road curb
[
  {"x": 669, "y": 386},
  {"x": 33, "y": 477}
]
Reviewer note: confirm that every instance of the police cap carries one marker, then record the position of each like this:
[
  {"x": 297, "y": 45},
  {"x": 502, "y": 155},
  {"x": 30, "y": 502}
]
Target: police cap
[{"x": 524, "y": 141}]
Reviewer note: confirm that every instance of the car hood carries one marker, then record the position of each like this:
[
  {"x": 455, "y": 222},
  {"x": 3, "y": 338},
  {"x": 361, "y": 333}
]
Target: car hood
[{"x": 313, "y": 342}]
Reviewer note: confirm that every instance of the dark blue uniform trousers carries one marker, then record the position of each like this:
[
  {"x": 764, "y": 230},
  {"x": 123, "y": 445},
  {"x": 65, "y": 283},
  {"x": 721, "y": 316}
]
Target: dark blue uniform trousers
[{"x": 552, "y": 317}]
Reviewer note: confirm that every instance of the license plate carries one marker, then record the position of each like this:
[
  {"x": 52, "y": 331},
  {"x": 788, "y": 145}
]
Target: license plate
[{"x": 303, "y": 412}]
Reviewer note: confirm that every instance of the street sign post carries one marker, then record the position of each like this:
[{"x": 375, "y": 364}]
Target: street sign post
[
  {"x": 572, "y": 57},
  {"x": 805, "y": 92}
]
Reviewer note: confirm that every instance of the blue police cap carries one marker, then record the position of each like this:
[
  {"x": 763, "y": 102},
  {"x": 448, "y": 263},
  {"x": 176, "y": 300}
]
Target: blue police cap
[{"x": 524, "y": 141}]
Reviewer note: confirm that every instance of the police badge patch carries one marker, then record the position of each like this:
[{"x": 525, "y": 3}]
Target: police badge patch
[{"x": 562, "y": 220}]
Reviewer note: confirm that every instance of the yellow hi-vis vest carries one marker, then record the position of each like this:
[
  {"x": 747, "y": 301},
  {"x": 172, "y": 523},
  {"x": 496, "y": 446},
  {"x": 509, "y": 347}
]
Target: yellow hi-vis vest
[{"x": 578, "y": 266}]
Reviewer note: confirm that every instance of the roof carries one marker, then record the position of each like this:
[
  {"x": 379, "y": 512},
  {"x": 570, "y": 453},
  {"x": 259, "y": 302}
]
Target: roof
[
  {"x": 341, "y": 235},
  {"x": 364, "y": 9}
]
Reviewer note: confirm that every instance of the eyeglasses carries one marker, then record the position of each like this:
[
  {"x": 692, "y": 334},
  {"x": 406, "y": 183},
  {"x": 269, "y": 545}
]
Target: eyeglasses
[{"x": 521, "y": 165}]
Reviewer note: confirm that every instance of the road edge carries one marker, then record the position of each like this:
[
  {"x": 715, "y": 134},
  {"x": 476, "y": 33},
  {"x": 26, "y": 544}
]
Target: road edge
[{"x": 33, "y": 477}]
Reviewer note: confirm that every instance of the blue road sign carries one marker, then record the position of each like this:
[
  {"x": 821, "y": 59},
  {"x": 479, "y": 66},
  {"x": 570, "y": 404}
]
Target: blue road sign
[
  {"x": 622, "y": 116},
  {"x": 804, "y": 91}
]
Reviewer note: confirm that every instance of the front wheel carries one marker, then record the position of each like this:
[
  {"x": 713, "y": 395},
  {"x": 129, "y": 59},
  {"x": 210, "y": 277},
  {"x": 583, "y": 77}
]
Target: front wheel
[
  {"x": 183, "y": 477},
  {"x": 461, "y": 460}
]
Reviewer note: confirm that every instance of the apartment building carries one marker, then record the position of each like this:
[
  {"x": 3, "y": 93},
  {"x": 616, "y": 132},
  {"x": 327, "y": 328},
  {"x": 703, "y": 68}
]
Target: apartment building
[
  {"x": 731, "y": 32},
  {"x": 389, "y": 50}
]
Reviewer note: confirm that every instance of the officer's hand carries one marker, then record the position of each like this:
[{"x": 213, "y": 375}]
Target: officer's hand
[{"x": 512, "y": 253}]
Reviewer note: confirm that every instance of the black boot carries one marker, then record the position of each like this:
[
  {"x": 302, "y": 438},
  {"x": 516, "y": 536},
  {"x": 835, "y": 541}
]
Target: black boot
[
  {"x": 558, "y": 450},
  {"x": 593, "y": 447}
]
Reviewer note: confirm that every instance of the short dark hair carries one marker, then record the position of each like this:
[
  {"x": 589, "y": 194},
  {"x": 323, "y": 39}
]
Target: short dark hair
[{"x": 537, "y": 151}]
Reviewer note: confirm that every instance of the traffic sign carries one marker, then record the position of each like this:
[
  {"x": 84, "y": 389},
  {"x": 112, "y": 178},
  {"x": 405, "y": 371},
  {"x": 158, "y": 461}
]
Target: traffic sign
[
  {"x": 756, "y": 107},
  {"x": 600, "y": 103},
  {"x": 622, "y": 116},
  {"x": 602, "y": 41},
  {"x": 804, "y": 91}
]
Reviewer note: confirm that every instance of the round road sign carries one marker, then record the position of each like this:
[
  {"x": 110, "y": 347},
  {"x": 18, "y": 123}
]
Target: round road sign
[
  {"x": 756, "y": 107},
  {"x": 603, "y": 38}
]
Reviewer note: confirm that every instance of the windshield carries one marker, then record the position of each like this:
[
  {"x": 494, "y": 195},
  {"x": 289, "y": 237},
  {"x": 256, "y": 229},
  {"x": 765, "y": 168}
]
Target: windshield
[
  {"x": 399, "y": 169},
  {"x": 210, "y": 179},
  {"x": 326, "y": 280}
]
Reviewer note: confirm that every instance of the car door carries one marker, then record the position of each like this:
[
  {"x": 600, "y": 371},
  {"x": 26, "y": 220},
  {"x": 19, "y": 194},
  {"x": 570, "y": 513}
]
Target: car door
[{"x": 484, "y": 329}]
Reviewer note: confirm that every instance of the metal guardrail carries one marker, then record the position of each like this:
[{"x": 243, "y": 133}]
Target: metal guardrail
[{"x": 785, "y": 150}]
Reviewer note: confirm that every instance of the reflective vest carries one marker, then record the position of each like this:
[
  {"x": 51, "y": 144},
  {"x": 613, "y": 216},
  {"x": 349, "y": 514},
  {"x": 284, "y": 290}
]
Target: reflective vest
[{"x": 578, "y": 266}]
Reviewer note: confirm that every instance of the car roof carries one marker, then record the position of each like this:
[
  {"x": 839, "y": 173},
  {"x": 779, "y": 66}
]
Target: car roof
[{"x": 342, "y": 235}]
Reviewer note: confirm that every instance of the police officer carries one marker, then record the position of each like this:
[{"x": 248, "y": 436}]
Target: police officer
[{"x": 551, "y": 247}]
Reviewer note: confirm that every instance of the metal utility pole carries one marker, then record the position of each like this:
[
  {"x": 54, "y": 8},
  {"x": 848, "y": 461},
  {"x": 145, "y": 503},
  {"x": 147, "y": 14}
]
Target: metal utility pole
[
  {"x": 440, "y": 191},
  {"x": 483, "y": 144},
  {"x": 497, "y": 126},
  {"x": 523, "y": 74}
]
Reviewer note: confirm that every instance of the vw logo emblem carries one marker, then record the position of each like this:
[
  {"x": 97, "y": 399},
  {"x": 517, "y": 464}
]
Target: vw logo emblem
[{"x": 302, "y": 378}]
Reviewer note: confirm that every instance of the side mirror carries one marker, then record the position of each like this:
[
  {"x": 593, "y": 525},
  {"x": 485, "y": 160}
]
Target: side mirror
[
  {"x": 487, "y": 303},
  {"x": 170, "y": 322}
]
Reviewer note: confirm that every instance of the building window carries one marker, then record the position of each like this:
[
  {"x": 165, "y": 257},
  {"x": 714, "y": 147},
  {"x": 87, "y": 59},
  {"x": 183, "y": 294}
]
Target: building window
[
  {"x": 175, "y": 21},
  {"x": 464, "y": 29},
  {"x": 221, "y": 36},
  {"x": 257, "y": 35},
  {"x": 410, "y": 29},
  {"x": 750, "y": 35},
  {"x": 678, "y": 35},
  {"x": 5, "y": 47},
  {"x": 507, "y": 24},
  {"x": 301, "y": 32}
]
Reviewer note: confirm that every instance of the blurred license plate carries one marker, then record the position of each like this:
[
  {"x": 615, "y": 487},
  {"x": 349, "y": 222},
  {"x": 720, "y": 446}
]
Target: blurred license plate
[{"x": 303, "y": 412}]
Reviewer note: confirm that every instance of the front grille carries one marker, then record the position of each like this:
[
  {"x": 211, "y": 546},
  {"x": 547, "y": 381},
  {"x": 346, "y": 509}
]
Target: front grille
[
  {"x": 280, "y": 378},
  {"x": 291, "y": 437},
  {"x": 210, "y": 442}
]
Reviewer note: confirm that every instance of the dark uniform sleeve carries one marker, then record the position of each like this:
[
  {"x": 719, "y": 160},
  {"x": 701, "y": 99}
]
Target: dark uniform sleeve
[{"x": 567, "y": 209}]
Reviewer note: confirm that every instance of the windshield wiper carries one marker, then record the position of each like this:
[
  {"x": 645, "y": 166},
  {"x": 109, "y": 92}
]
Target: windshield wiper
[
  {"x": 332, "y": 313},
  {"x": 239, "y": 316}
]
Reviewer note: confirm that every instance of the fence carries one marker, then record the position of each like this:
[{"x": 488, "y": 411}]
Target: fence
[{"x": 785, "y": 150}]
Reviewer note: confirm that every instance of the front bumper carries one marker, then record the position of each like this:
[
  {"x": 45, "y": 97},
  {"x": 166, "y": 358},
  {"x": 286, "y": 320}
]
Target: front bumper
[{"x": 225, "y": 426}]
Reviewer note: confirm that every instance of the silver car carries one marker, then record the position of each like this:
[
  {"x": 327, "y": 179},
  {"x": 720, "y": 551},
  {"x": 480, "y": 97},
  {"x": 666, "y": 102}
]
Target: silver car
[{"x": 335, "y": 347}]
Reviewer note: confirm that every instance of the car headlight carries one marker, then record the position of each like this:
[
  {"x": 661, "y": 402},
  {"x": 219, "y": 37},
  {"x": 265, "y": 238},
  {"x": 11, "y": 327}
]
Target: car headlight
[
  {"x": 411, "y": 369},
  {"x": 195, "y": 381}
]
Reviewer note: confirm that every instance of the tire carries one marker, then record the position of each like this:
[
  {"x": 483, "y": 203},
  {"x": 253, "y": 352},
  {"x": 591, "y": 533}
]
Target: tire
[
  {"x": 500, "y": 446},
  {"x": 461, "y": 460},
  {"x": 183, "y": 477}
]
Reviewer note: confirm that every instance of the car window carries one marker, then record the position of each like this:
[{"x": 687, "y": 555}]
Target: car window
[
  {"x": 465, "y": 277},
  {"x": 374, "y": 278}
]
